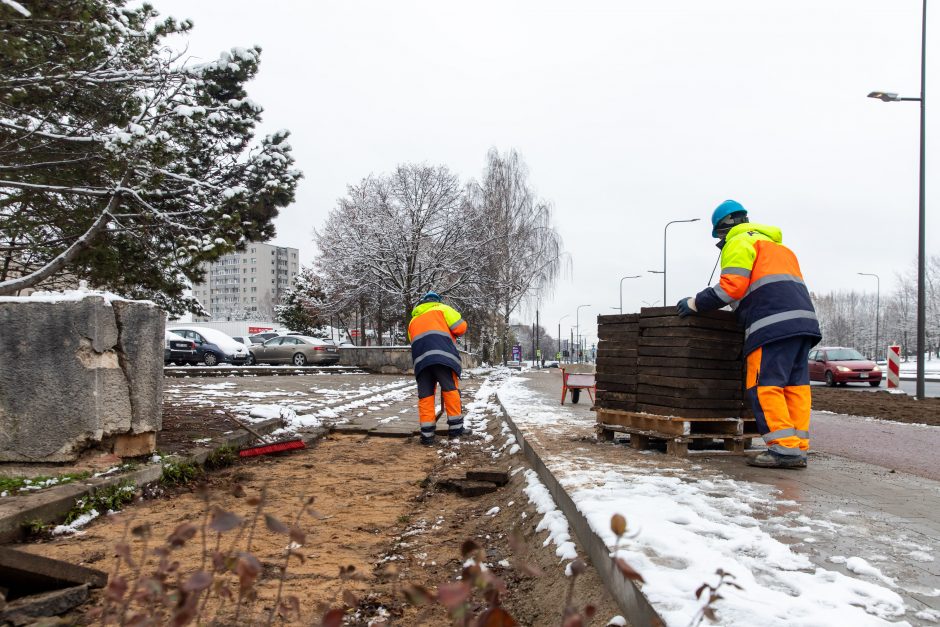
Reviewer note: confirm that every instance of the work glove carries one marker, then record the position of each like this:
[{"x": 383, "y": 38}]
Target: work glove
[{"x": 686, "y": 307}]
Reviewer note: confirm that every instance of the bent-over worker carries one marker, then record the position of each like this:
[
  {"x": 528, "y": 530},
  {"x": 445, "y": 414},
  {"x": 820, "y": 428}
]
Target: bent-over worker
[
  {"x": 762, "y": 282},
  {"x": 433, "y": 332}
]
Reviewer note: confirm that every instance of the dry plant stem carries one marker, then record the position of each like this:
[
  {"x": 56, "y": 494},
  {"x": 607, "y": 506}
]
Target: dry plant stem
[
  {"x": 205, "y": 523},
  {"x": 140, "y": 566},
  {"x": 280, "y": 583},
  {"x": 117, "y": 571},
  {"x": 257, "y": 514}
]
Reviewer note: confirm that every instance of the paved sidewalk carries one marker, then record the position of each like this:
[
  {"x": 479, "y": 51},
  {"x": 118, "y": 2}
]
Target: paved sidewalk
[{"x": 866, "y": 524}]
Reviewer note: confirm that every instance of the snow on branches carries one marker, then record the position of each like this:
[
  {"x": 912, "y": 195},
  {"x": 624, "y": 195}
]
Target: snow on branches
[{"x": 121, "y": 161}]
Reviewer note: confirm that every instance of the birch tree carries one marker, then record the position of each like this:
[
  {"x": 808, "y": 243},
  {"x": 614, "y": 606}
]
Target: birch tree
[
  {"x": 121, "y": 161},
  {"x": 523, "y": 251}
]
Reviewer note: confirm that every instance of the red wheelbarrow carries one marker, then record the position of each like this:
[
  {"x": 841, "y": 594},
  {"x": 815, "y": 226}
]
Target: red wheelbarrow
[{"x": 575, "y": 382}]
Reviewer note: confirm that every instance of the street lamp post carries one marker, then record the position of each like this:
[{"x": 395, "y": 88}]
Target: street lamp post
[
  {"x": 665, "y": 228},
  {"x": 877, "y": 312},
  {"x": 635, "y": 276},
  {"x": 559, "y": 334},
  {"x": 577, "y": 326},
  {"x": 922, "y": 219}
]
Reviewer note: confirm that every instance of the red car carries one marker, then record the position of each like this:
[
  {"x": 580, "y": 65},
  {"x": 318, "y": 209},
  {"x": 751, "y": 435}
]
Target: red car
[{"x": 835, "y": 364}]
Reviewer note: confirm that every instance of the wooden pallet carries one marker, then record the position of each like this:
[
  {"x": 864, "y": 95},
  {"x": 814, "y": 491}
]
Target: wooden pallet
[{"x": 646, "y": 430}]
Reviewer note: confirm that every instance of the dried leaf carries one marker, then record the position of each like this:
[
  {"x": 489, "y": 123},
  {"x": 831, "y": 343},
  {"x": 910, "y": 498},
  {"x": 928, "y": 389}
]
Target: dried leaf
[
  {"x": 275, "y": 525},
  {"x": 223, "y": 520},
  {"x": 116, "y": 588},
  {"x": 298, "y": 535},
  {"x": 709, "y": 613},
  {"x": 468, "y": 548},
  {"x": 218, "y": 561},
  {"x": 627, "y": 571},
  {"x": 574, "y": 620},
  {"x": 578, "y": 567},
  {"x": 298, "y": 554},
  {"x": 453, "y": 595},
  {"x": 247, "y": 568},
  {"x": 197, "y": 582},
  {"x": 254, "y": 501},
  {"x": 181, "y": 535},
  {"x": 123, "y": 550},
  {"x": 417, "y": 595},
  {"x": 350, "y": 599},
  {"x": 334, "y": 618},
  {"x": 618, "y": 524},
  {"x": 700, "y": 590},
  {"x": 141, "y": 531},
  {"x": 238, "y": 491},
  {"x": 496, "y": 617}
]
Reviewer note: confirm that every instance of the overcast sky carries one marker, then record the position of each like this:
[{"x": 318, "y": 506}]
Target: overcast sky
[{"x": 628, "y": 113}]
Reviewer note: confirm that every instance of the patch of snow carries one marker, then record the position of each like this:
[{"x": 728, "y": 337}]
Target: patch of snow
[
  {"x": 860, "y": 566},
  {"x": 492, "y": 512},
  {"x": 75, "y": 525},
  {"x": 552, "y": 518}
]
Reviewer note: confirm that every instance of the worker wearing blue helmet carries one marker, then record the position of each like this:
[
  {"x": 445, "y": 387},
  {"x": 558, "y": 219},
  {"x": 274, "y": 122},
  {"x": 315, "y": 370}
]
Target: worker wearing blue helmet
[
  {"x": 433, "y": 332},
  {"x": 761, "y": 280}
]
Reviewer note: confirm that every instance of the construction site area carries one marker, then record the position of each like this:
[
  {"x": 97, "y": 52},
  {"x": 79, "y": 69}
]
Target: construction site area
[{"x": 611, "y": 512}]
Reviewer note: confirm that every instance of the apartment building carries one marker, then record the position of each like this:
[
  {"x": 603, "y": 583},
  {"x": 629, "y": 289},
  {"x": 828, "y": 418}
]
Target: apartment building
[{"x": 248, "y": 284}]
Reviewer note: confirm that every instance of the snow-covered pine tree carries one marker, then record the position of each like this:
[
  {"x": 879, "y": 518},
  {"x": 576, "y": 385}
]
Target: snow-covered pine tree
[
  {"x": 303, "y": 305},
  {"x": 122, "y": 162}
]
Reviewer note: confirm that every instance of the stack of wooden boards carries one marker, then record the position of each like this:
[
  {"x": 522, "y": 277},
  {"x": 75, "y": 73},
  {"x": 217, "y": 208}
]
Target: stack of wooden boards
[
  {"x": 656, "y": 370},
  {"x": 616, "y": 372}
]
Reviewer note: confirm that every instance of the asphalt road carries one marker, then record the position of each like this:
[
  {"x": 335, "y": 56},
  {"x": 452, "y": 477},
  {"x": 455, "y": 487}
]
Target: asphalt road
[{"x": 931, "y": 388}]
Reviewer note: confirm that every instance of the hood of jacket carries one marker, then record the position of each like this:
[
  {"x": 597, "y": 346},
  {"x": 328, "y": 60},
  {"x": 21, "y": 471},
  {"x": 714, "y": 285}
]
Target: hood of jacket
[
  {"x": 773, "y": 232},
  {"x": 425, "y": 307}
]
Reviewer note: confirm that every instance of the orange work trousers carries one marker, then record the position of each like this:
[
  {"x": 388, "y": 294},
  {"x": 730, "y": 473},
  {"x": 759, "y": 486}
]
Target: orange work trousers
[
  {"x": 778, "y": 389},
  {"x": 428, "y": 380}
]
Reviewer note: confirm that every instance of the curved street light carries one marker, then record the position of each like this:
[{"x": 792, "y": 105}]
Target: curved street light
[
  {"x": 665, "y": 228},
  {"x": 577, "y": 326},
  {"x": 559, "y": 334},
  {"x": 635, "y": 276},
  {"x": 921, "y": 214}
]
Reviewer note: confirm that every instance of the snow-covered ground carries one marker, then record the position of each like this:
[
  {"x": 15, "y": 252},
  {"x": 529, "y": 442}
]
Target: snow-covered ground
[
  {"x": 686, "y": 522},
  {"x": 931, "y": 367}
]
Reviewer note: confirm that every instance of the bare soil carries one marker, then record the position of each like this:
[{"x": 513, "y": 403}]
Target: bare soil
[
  {"x": 379, "y": 511},
  {"x": 883, "y": 405}
]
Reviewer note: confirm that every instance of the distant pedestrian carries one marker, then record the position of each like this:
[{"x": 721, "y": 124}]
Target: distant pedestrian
[
  {"x": 761, "y": 280},
  {"x": 433, "y": 332}
]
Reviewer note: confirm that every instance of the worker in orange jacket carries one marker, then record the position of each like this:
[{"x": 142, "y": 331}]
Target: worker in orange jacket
[
  {"x": 433, "y": 332},
  {"x": 761, "y": 280}
]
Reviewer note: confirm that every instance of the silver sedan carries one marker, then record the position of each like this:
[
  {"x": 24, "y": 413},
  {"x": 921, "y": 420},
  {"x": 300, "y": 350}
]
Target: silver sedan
[{"x": 298, "y": 350}]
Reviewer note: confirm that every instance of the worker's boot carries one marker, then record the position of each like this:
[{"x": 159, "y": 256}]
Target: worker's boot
[
  {"x": 427, "y": 441},
  {"x": 769, "y": 459}
]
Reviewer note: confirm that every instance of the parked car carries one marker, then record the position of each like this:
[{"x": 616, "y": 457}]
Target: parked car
[
  {"x": 261, "y": 338},
  {"x": 249, "y": 340},
  {"x": 837, "y": 364},
  {"x": 178, "y": 349},
  {"x": 214, "y": 347},
  {"x": 299, "y": 350}
]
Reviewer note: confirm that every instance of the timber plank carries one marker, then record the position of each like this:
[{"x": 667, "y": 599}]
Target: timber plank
[
  {"x": 687, "y": 341},
  {"x": 617, "y": 351},
  {"x": 616, "y": 387},
  {"x": 604, "y": 360},
  {"x": 698, "y": 333},
  {"x": 686, "y": 412},
  {"x": 686, "y": 362},
  {"x": 613, "y": 333},
  {"x": 723, "y": 354},
  {"x": 603, "y": 369},
  {"x": 691, "y": 322},
  {"x": 710, "y": 374},
  {"x": 619, "y": 319},
  {"x": 735, "y": 383},
  {"x": 692, "y": 392},
  {"x": 679, "y": 404}
]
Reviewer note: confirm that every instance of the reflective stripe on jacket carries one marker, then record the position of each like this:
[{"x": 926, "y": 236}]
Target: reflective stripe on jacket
[
  {"x": 432, "y": 331},
  {"x": 761, "y": 280}
]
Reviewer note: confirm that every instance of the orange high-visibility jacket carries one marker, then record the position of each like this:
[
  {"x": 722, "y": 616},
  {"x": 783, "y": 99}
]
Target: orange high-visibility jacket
[
  {"x": 433, "y": 330},
  {"x": 761, "y": 280}
]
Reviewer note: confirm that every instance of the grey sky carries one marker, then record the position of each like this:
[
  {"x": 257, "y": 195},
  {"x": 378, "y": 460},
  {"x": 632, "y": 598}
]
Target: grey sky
[{"x": 629, "y": 114}]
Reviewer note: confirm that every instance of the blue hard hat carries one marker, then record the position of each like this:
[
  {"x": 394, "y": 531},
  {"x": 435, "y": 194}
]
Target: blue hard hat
[
  {"x": 724, "y": 210},
  {"x": 431, "y": 296}
]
